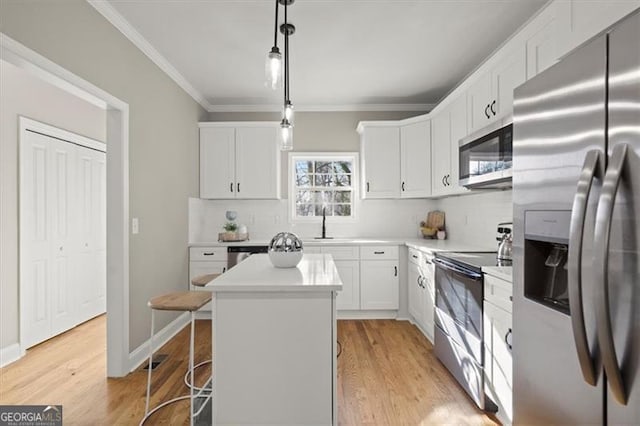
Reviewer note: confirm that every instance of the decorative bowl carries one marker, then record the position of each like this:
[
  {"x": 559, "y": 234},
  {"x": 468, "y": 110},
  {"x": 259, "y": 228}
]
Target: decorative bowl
[{"x": 285, "y": 250}]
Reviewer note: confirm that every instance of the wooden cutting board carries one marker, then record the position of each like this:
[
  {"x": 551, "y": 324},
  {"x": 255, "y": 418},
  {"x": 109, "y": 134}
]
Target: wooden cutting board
[{"x": 435, "y": 219}]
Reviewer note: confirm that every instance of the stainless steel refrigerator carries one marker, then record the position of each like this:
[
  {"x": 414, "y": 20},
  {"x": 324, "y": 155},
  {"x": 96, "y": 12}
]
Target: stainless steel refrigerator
[{"x": 576, "y": 193}]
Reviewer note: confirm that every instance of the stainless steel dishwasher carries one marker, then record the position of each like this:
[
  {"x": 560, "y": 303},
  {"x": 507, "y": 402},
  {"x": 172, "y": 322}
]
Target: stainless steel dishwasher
[{"x": 236, "y": 254}]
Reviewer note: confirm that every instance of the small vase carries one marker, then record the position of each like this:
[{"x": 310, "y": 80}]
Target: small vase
[{"x": 441, "y": 235}]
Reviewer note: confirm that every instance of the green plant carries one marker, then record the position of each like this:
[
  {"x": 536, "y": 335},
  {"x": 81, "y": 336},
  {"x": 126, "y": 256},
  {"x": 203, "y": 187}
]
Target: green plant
[{"x": 230, "y": 227}]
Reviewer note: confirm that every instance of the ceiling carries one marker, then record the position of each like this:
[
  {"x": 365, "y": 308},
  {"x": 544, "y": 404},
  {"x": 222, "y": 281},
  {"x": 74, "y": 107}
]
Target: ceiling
[{"x": 345, "y": 54}]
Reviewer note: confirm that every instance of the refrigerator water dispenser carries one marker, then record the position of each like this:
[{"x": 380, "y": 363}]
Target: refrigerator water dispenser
[{"x": 545, "y": 259}]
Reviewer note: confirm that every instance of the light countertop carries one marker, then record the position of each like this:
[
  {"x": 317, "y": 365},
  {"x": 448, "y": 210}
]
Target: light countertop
[
  {"x": 417, "y": 243},
  {"x": 502, "y": 272},
  {"x": 315, "y": 272}
]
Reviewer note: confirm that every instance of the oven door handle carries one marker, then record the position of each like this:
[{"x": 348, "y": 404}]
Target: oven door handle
[{"x": 467, "y": 273}]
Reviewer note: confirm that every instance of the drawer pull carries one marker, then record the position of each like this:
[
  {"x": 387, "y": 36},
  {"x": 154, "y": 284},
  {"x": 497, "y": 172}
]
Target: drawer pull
[
  {"x": 414, "y": 256},
  {"x": 378, "y": 252},
  {"x": 395, "y": 269},
  {"x": 208, "y": 254},
  {"x": 510, "y": 298}
]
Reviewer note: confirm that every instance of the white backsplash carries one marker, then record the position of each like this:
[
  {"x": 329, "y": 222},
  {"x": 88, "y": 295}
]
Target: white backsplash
[
  {"x": 265, "y": 218},
  {"x": 469, "y": 219},
  {"x": 473, "y": 218}
]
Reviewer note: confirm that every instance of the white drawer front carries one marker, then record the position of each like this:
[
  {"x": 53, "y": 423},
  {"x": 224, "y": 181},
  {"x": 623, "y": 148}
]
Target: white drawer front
[
  {"x": 415, "y": 256},
  {"x": 343, "y": 252},
  {"x": 499, "y": 292},
  {"x": 379, "y": 252},
  {"x": 312, "y": 249},
  {"x": 208, "y": 253}
]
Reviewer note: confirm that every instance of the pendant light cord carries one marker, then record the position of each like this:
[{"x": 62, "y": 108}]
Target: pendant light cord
[
  {"x": 286, "y": 55},
  {"x": 275, "y": 28}
]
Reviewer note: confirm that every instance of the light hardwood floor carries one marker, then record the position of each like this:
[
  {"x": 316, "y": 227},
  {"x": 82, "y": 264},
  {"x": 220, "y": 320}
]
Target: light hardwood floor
[{"x": 387, "y": 375}]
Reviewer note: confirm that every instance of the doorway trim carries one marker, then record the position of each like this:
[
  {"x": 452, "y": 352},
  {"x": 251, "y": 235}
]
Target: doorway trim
[{"x": 117, "y": 140}]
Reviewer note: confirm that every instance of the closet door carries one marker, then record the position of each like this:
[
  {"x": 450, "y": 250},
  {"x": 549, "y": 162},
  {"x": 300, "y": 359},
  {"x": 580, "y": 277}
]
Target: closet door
[
  {"x": 62, "y": 287},
  {"x": 35, "y": 236},
  {"x": 99, "y": 194}
]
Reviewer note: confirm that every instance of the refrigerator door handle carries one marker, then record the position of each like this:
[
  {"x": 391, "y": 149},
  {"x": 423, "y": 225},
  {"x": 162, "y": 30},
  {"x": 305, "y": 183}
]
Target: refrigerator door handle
[
  {"x": 576, "y": 232},
  {"x": 602, "y": 237}
]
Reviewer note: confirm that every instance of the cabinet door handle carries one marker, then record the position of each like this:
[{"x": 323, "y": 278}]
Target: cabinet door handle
[
  {"x": 486, "y": 113},
  {"x": 395, "y": 271},
  {"x": 231, "y": 187},
  {"x": 367, "y": 186},
  {"x": 208, "y": 254},
  {"x": 378, "y": 252},
  {"x": 402, "y": 186},
  {"x": 493, "y": 110},
  {"x": 414, "y": 256},
  {"x": 448, "y": 180},
  {"x": 506, "y": 338},
  {"x": 224, "y": 269},
  {"x": 419, "y": 280},
  {"x": 238, "y": 187},
  {"x": 443, "y": 184}
]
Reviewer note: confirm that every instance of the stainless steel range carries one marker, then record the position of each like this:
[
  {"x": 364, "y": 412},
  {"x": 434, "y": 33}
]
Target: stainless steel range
[{"x": 458, "y": 319}]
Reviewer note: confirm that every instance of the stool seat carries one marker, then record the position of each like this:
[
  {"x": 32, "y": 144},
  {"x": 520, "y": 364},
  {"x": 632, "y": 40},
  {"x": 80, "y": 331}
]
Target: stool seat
[
  {"x": 202, "y": 280},
  {"x": 181, "y": 301}
]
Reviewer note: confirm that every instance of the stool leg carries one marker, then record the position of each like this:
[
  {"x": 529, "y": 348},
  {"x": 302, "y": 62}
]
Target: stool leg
[
  {"x": 191, "y": 345},
  {"x": 146, "y": 407}
]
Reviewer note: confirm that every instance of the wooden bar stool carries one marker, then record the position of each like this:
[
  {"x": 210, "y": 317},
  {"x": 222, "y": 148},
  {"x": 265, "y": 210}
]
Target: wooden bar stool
[
  {"x": 203, "y": 280},
  {"x": 182, "y": 301}
]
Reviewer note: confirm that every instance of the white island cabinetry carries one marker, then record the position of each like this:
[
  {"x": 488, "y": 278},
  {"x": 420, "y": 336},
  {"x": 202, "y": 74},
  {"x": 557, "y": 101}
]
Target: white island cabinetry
[{"x": 274, "y": 342}]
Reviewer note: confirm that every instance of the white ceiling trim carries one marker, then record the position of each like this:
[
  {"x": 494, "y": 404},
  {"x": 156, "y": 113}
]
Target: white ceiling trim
[
  {"x": 325, "y": 108},
  {"x": 118, "y": 21}
]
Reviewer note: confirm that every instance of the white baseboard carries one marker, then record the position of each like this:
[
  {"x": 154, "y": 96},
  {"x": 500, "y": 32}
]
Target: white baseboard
[
  {"x": 141, "y": 353},
  {"x": 10, "y": 354},
  {"x": 366, "y": 315}
]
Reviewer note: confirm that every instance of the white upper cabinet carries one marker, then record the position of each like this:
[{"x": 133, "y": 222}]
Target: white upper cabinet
[
  {"x": 257, "y": 162},
  {"x": 541, "y": 44},
  {"x": 380, "y": 147},
  {"x": 239, "y": 160},
  {"x": 509, "y": 73},
  {"x": 441, "y": 164},
  {"x": 582, "y": 19},
  {"x": 491, "y": 96},
  {"x": 415, "y": 160},
  {"x": 459, "y": 129},
  {"x": 448, "y": 127},
  {"x": 479, "y": 100}
]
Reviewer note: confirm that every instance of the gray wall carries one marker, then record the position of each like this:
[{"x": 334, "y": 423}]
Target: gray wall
[
  {"x": 163, "y": 137},
  {"x": 318, "y": 131},
  {"x": 29, "y": 96}
]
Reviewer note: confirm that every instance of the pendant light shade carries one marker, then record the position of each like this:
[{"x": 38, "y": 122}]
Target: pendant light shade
[
  {"x": 273, "y": 69},
  {"x": 288, "y": 111},
  {"x": 286, "y": 135}
]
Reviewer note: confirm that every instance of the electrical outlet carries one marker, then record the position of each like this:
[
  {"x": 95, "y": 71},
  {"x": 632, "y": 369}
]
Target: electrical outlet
[{"x": 135, "y": 225}]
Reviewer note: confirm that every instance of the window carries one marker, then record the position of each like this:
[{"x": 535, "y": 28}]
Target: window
[{"x": 322, "y": 181}]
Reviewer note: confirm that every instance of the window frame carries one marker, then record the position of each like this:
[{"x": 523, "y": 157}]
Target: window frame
[{"x": 324, "y": 156}]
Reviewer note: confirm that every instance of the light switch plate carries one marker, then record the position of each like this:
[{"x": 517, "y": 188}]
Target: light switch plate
[{"x": 135, "y": 225}]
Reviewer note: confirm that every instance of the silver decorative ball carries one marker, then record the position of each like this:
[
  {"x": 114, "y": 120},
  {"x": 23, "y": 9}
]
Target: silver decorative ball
[{"x": 285, "y": 250}]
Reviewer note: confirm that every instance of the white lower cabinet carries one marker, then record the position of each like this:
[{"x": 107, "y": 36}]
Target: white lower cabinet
[
  {"x": 498, "y": 338},
  {"x": 421, "y": 290},
  {"x": 206, "y": 260},
  {"x": 379, "y": 284},
  {"x": 349, "y": 297}
]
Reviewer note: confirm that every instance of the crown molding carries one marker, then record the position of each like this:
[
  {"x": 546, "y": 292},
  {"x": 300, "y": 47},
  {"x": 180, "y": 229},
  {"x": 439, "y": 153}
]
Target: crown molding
[
  {"x": 325, "y": 108},
  {"x": 117, "y": 20}
]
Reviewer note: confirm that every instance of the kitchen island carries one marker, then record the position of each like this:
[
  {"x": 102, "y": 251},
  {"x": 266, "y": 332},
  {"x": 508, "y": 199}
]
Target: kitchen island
[{"x": 274, "y": 342}]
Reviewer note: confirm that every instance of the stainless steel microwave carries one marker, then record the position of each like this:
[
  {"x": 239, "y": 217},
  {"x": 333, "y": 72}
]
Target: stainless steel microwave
[{"x": 486, "y": 156}]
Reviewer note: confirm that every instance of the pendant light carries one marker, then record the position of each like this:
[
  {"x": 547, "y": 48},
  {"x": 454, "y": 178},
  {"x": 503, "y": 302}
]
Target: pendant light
[
  {"x": 273, "y": 64},
  {"x": 274, "y": 78},
  {"x": 286, "y": 126}
]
